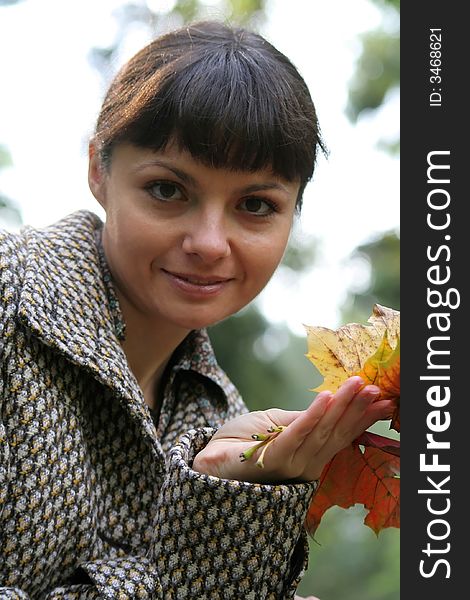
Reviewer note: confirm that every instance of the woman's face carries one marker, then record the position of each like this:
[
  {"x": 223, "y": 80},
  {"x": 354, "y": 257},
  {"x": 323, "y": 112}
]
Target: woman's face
[{"x": 185, "y": 242}]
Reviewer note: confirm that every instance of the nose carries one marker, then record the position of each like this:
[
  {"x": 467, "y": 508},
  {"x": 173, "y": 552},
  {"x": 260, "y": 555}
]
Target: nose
[{"x": 207, "y": 236}]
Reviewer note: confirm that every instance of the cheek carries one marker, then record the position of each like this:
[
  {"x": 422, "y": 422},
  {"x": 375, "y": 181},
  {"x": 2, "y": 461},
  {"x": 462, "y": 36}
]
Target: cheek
[
  {"x": 130, "y": 232},
  {"x": 264, "y": 258}
]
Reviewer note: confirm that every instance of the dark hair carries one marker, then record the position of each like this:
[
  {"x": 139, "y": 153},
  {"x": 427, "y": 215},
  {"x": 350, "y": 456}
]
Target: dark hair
[{"x": 225, "y": 94}]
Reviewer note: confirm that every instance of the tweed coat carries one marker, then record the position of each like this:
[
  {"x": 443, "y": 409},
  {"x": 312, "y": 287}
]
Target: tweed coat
[{"x": 97, "y": 495}]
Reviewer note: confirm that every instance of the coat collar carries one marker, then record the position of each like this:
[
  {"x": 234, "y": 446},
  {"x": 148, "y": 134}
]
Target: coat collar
[
  {"x": 63, "y": 299},
  {"x": 68, "y": 301}
]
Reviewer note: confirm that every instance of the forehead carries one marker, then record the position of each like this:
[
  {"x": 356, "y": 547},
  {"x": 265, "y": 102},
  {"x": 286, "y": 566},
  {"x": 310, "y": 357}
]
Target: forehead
[{"x": 135, "y": 160}]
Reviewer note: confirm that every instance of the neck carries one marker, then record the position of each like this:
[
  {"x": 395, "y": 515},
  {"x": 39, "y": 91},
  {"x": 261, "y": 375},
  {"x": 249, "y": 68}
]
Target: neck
[{"x": 148, "y": 348}]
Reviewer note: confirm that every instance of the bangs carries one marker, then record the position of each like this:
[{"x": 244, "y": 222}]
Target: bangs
[
  {"x": 225, "y": 95},
  {"x": 230, "y": 110}
]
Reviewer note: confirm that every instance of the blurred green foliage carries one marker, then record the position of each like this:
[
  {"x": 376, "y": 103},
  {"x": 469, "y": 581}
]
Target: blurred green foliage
[
  {"x": 382, "y": 255},
  {"x": 9, "y": 212},
  {"x": 377, "y": 70},
  {"x": 265, "y": 361},
  {"x": 243, "y": 12},
  {"x": 348, "y": 561},
  {"x": 5, "y": 158}
]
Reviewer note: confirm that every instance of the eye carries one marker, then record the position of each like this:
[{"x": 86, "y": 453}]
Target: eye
[
  {"x": 258, "y": 206},
  {"x": 165, "y": 191}
]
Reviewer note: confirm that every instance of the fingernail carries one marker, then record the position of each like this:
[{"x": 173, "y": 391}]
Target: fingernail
[
  {"x": 372, "y": 391},
  {"x": 356, "y": 381}
]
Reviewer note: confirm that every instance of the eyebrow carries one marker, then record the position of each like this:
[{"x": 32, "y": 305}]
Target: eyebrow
[
  {"x": 189, "y": 179},
  {"x": 178, "y": 172},
  {"x": 260, "y": 187}
]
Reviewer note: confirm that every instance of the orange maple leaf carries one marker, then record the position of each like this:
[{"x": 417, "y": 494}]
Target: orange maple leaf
[
  {"x": 383, "y": 370},
  {"x": 368, "y": 477}
]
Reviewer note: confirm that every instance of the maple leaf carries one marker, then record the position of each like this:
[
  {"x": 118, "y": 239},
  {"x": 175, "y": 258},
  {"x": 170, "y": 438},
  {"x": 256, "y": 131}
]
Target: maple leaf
[
  {"x": 365, "y": 350},
  {"x": 383, "y": 370},
  {"x": 379, "y": 441},
  {"x": 368, "y": 477}
]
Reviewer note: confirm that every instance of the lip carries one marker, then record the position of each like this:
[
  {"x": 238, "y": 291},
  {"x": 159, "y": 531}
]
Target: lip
[{"x": 197, "y": 285}]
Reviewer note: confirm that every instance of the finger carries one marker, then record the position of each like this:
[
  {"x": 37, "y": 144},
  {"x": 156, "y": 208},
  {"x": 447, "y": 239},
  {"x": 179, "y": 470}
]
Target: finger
[
  {"x": 345, "y": 428},
  {"x": 377, "y": 411},
  {"x": 278, "y": 416},
  {"x": 307, "y": 419},
  {"x": 330, "y": 435},
  {"x": 346, "y": 393},
  {"x": 299, "y": 429},
  {"x": 386, "y": 408},
  {"x": 352, "y": 392},
  {"x": 309, "y": 432},
  {"x": 335, "y": 443},
  {"x": 244, "y": 426}
]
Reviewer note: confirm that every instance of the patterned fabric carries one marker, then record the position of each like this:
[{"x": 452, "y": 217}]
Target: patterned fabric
[{"x": 96, "y": 499}]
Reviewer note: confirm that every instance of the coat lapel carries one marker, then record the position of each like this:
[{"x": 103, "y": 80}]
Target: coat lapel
[{"x": 65, "y": 302}]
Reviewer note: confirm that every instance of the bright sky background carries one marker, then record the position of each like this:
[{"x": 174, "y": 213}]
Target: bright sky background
[{"x": 50, "y": 96}]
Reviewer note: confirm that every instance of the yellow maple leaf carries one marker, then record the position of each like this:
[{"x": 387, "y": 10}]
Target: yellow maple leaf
[{"x": 371, "y": 351}]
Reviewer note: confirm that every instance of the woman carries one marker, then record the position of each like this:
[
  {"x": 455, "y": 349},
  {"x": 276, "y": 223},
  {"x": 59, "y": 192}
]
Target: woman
[{"x": 120, "y": 435}]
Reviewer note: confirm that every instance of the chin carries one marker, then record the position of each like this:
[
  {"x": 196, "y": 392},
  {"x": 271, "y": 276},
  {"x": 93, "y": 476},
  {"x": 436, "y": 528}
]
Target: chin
[{"x": 198, "y": 321}]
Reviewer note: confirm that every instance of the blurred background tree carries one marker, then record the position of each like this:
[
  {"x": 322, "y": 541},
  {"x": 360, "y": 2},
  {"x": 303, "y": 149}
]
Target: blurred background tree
[
  {"x": 265, "y": 360},
  {"x": 382, "y": 258},
  {"x": 157, "y": 18},
  {"x": 376, "y": 79},
  {"x": 9, "y": 212},
  {"x": 377, "y": 74}
]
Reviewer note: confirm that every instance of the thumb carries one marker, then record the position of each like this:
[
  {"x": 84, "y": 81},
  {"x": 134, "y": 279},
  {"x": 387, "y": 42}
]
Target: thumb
[{"x": 282, "y": 417}]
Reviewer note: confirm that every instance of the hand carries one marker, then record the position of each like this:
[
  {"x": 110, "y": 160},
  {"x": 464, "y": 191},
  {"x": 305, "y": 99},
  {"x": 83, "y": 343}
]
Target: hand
[
  {"x": 307, "y": 598},
  {"x": 311, "y": 439}
]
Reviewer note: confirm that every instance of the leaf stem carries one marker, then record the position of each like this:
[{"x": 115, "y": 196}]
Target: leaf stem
[{"x": 266, "y": 440}]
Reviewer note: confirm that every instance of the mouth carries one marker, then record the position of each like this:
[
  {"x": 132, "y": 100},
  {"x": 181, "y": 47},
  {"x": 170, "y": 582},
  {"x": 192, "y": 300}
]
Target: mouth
[
  {"x": 199, "y": 280},
  {"x": 195, "y": 286}
]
